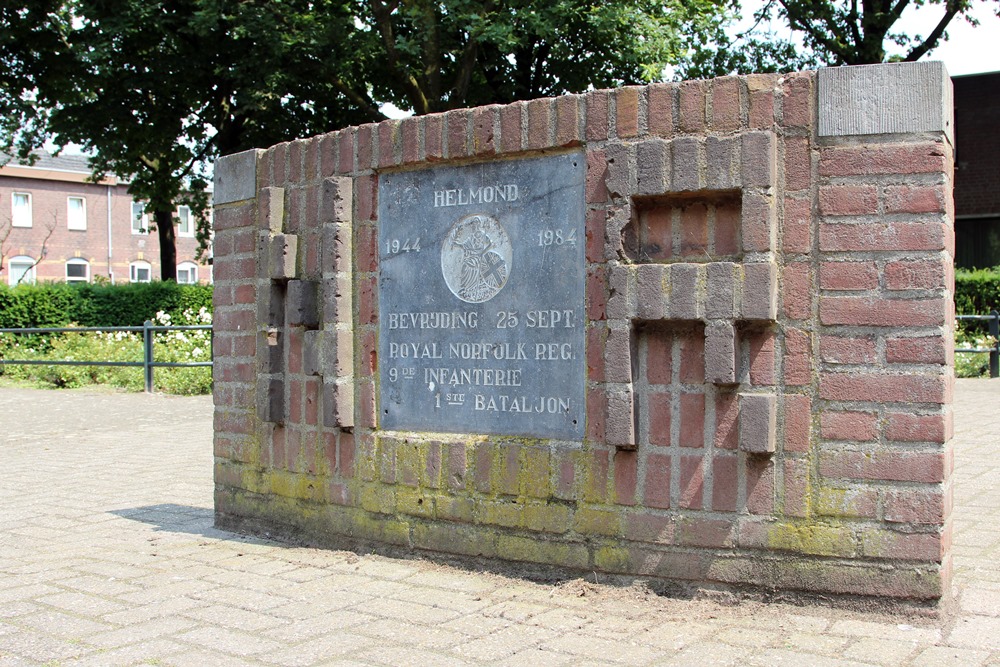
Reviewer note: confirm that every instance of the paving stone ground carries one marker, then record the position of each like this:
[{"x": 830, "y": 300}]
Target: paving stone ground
[{"x": 108, "y": 556}]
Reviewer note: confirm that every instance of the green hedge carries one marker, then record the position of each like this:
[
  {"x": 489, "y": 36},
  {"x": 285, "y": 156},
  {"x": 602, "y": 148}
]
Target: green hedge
[
  {"x": 59, "y": 304},
  {"x": 977, "y": 291}
]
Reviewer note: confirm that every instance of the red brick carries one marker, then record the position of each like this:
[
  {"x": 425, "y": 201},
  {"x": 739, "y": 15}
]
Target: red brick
[
  {"x": 596, "y": 337},
  {"x": 760, "y": 485},
  {"x": 884, "y": 388},
  {"x": 597, "y": 174},
  {"x": 798, "y": 348},
  {"x": 692, "y": 409},
  {"x": 388, "y": 139},
  {"x": 879, "y": 236},
  {"x": 884, "y": 159},
  {"x": 915, "y": 199},
  {"x": 510, "y": 467},
  {"x": 627, "y": 111},
  {"x": 658, "y": 358},
  {"x": 457, "y": 122},
  {"x": 927, "y": 547},
  {"x": 597, "y": 293},
  {"x": 365, "y": 197},
  {"x": 906, "y": 427},
  {"x": 883, "y": 465},
  {"x": 661, "y": 109},
  {"x": 853, "y": 426},
  {"x": 761, "y": 349},
  {"x": 757, "y": 222},
  {"x": 347, "y": 149},
  {"x": 848, "y": 275},
  {"x": 702, "y": 532},
  {"x": 928, "y": 350},
  {"x": 658, "y": 481},
  {"x": 410, "y": 133},
  {"x": 482, "y": 473},
  {"x": 798, "y": 423},
  {"x": 761, "y": 88},
  {"x": 870, "y": 311},
  {"x": 597, "y": 115},
  {"x": 565, "y": 487},
  {"x": 915, "y": 506},
  {"x": 727, "y": 228},
  {"x": 568, "y": 120},
  {"x": 798, "y": 164},
  {"x": 626, "y": 477},
  {"x": 692, "y": 107},
  {"x": 796, "y": 486},
  {"x": 657, "y": 227},
  {"x": 483, "y": 124},
  {"x": 796, "y": 102},
  {"x": 329, "y": 155},
  {"x": 725, "y": 483},
  {"x": 692, "y": 482},
  {"x": 797, "y": 229},
  {"x": 847, "y": 350},
  {"x": 312, "y": 400},
  {"x": 692, "y": 369},
  {"x": 694, "y": 231},
  {"x": 650, "y": 528},
  {"x": 539, "y": 123},
  {"x": 796, "y": 291},
  {"x": 597, "y": 414},
  {"x": 848, "y": 199},
  {"x": 726, "y": 421},
  {"x": 659, "y": 418},
  {"x": 345, "y": 454},
  {"x": 726, "y": 104},
  {"x": 367, "y": 302},
  {"x": 295, "y": 161},
  {"x": 928, "y": 274},
  {"x": 365, "y": 146},
  {"x": 596, "y": 220},
  {"x": 434, "y": 136},
  {"x": 596, "y": 489}
]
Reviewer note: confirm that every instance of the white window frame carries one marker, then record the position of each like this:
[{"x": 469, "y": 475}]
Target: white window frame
[
  {"x": 135, "y": 267},
  {"x": 80, "y": 223},
  {"x": 77, "y": 261},
  {"x": 192, "y": 268},
  {"x": 142, "y": 218},
  {"x": 184, "y": 214},
  {"x": 20, "y": 216},
  {"x": 14, "y": 277}
]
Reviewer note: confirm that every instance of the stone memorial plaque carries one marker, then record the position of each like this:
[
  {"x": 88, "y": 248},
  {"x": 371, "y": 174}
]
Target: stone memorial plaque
[{"x": 481, "y": 298}]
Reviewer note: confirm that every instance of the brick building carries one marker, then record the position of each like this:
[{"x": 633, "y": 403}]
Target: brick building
[
  {"x": 55, "y": 225},
  {"x": 977, "y": 170}
]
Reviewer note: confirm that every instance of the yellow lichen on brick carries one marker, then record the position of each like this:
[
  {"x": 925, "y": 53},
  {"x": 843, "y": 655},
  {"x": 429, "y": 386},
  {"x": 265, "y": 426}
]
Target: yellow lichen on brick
[
  {"x": 613, "y": 559},
  {"x": 547, "y": 517},
  {"x": 534, "y": 550},
  {"x": 591, "y": 521},
  {"x": 534, "y": 476},
  {"x": 812, "y": 538},
  {"x": 414, "y": 501}
]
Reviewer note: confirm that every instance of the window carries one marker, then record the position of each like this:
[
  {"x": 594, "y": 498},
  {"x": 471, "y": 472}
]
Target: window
[
  {"x": 77, "y": 271},
  {"x": 187, "y": 273},
  {"x": 21, "y": 269},
  {"x": 185, "y": 225},
  {"x": 76, "y": 213},
  {"x": 20, "y": 209},
  {"x": 140, "y": 272},
  {"x": 140, "y": 221}
]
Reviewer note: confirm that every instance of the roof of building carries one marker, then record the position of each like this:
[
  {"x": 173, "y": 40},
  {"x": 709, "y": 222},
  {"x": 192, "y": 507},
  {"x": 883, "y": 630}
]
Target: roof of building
[{"x": 46, "y": 160}]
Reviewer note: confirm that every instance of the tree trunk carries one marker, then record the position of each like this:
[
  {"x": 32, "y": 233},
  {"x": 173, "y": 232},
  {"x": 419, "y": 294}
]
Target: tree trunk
[{"x": 168, "y": 245}]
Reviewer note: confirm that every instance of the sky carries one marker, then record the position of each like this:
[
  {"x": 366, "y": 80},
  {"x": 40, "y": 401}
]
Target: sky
[{"x": 969, "y": 50}]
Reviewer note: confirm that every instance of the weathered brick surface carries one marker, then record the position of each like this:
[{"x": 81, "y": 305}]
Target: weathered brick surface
[{"x": 767, "y": 355}]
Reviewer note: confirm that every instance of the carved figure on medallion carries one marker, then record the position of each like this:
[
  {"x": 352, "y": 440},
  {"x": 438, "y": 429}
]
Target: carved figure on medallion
[{"x": 476, "y": 258}]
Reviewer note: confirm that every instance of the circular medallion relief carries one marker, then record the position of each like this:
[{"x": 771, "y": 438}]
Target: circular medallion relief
[{"x": 476, "y": 258}]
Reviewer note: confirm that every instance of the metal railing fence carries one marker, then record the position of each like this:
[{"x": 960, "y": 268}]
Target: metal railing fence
[
  {"x": 148, "y": 363},
  {"x": 993, "y": 320}
]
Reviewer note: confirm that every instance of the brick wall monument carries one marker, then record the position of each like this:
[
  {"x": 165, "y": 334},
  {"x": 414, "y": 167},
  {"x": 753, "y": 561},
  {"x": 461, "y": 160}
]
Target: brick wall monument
[{"x": 699, "y": 331}]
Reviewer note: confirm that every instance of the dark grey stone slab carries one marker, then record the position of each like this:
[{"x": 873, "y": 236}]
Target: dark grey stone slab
[{"x": 481, "y": 298}]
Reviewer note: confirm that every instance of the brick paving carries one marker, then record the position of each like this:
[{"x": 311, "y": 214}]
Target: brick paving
[{"x": 108, "y": 556}]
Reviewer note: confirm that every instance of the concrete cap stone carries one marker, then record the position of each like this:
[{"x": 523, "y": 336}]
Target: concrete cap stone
[
  {"x": 235, "y": 177},
  {"x": 891, "y": 98}
]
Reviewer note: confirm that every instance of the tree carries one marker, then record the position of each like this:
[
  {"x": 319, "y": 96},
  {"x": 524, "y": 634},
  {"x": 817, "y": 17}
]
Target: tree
[
  {"x": 155, "y": 89},
  {"x": 846, "y": 32}
]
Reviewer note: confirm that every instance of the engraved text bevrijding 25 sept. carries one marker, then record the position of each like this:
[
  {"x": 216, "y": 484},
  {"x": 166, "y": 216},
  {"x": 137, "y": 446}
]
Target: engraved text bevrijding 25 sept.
[{"x": 481, "y": 298}]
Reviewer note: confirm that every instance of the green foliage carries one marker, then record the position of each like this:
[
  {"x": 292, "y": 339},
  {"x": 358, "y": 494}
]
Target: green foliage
[
  {"x": 977, "y": 291},
  {"x": 173, "y": 347},
  {"x": 59, "y": 304}
]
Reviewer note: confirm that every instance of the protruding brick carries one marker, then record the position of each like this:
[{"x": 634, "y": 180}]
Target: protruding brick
[
  {"x": 651, "y": 289},
  {"x": 621, "y": 301},
  {"x": 721, "y": 299},
  {"x": 759, "y": 157},
  {"x": 338, "y": 404},
  {"x": 686, "y": 163},
  {"x": 760, "y": 299},
  {"x": 282, "y": 256},
  {"x": 618, "y": 355},
  {"x": 720, "y": 171},
  {"x": 686, "y": 298},
  {"x": 720, "y": 353},
  {"x": 621, "y": 177},
  {"x": 338, "y": 200},
  {"x": 621, "y": 428},
  {"x": 271, "y": 209},
  {"x": 653, "y": 167},
  {"x": 758, "y": 423},
  {"x": 758, "y": 222}
]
